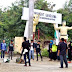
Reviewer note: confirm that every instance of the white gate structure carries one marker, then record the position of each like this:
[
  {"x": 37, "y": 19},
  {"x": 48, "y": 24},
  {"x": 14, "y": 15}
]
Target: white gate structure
[{"x": 45, "y": 17}]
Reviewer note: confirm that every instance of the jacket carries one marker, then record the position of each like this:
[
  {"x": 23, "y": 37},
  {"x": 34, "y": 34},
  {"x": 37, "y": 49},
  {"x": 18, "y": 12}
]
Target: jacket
[{"x": 3, "y": 46}]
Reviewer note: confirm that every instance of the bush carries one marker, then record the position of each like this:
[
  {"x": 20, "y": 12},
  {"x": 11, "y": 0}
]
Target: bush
[{"x": 45, "y": 52}]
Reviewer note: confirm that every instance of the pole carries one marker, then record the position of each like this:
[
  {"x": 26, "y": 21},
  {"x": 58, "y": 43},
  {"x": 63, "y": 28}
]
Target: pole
[
  {"x": 57, "y": 33},
  {"x": 38, "y": 34},
  {"x": 33, "y": 35},
  {"x": 31, "y": 12}
]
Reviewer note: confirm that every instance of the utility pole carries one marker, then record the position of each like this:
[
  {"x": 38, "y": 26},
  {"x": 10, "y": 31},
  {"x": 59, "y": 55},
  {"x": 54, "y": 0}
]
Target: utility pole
[{"x": 31, "y": 13}]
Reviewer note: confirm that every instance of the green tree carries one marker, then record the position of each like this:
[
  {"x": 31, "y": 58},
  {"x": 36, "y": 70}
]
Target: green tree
[
  {"x": 11, "y": 24},
  {"x": 46, "y": 29},
  {"x": 67, "y": 16}
]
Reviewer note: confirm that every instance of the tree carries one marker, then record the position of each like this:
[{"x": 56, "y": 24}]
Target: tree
[
  {"x": 67, "y": 16},
  {"x": 45, "y": 28},
  {"x": 11, "y": 24}
]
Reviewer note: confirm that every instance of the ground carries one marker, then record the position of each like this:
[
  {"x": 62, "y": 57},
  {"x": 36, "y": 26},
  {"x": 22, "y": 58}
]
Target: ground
[{"x": 40, "y": 66}]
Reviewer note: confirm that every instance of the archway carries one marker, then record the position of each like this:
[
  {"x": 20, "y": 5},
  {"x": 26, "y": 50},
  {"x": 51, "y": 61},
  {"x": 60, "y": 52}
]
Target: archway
[{"x": 45, "y": 16}]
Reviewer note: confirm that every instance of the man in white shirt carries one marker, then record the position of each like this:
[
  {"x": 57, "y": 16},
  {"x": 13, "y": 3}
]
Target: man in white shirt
[{"x": 31, "y": 52}]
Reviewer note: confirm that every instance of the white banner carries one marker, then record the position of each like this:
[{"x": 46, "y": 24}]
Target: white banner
[{"x": 45, "y": 16}]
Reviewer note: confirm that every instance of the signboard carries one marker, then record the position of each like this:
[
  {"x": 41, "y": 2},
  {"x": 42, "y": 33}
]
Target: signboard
[
  {"x": 18, "y": 44},
  {"x": 45, "y": 16}
]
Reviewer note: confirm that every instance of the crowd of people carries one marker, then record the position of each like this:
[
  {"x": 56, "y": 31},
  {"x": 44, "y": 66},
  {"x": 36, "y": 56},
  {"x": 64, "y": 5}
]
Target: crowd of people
[
  {"x": 27, "y": 50},
  {"x": 60, "y": 51},
  {"x": 30, "y": 50},
  {"x": 55, "y": 52},
  {"x": 10, "y": 49}
]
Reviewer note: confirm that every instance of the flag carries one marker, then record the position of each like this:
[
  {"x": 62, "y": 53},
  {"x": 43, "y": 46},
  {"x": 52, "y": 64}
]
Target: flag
[{"x": 55, "y": 35}]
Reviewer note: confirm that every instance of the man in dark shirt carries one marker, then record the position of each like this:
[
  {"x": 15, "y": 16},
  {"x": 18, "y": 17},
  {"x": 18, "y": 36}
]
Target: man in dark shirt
[
  {"x": 38, "y": 50},
  {"x": 69, "y": 52},
  {"x": 57, "y": 50},
  {"x": 62, "y": 50},
  {"x": 11, "y": 49},
  {"x": 26, "y": 45}
]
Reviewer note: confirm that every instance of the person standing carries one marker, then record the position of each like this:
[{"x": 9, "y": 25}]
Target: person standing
[
  {"x": 25, "y": 46},
  {"x": 22, "y": 50},
  {"x": 54, "y": 51},
  {"x": 3, "y": 49},
  {"x": 62, "y": 50},
  {"x": 31, "y": 52},
  {"x": 57, "y": 50},
  {"x": 50, "y": 50},
  {"x": 69, "y": 52},
  {"x": 11, "y": 49},
  {"x": 38, "y": 50}
]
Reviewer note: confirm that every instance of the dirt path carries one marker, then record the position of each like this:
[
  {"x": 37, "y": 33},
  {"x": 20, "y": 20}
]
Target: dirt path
[{"x": 40, "y": 66}]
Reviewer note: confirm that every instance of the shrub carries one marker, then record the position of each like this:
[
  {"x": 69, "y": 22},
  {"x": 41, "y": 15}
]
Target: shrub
[{"x": 45, "y": 52}]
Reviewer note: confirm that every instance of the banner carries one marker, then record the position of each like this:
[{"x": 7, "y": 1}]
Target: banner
[{"x": 45, "y": 16}]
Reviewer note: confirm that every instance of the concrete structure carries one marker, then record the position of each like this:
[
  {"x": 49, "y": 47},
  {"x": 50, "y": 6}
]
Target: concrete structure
[{"x": 18, "y": 44}]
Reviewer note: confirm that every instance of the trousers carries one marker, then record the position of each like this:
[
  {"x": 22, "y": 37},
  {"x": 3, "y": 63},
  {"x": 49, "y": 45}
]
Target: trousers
[
  {"x": 27, "y": 54},
  {"x": 63, "y": 57},
  {"x": 2, "y": 54},
  {"x": 31, "y": 53}
]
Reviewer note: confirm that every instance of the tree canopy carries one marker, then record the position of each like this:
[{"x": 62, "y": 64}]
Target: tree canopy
[
  {"x": 67, "y": 15},
  {"x": 11, "y": 24}
]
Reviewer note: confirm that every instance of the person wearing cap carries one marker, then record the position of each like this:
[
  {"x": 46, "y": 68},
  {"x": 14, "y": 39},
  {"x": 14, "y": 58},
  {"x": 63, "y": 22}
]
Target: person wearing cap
[
  {"x": 11, "y": 49},
  {"x": 62, "y": 50},
  {"x": 31, "y": 52},
  {"x": 38, "y": 50}
]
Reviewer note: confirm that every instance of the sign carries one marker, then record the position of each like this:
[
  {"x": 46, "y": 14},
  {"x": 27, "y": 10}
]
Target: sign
[
  {"x": 18, "y": 44},
  {"x": 45, "y": 16}
]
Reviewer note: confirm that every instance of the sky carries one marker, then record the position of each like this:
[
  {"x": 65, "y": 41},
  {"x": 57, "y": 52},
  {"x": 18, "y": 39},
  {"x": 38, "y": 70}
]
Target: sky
[
  {"x": 59, "y": 3},
  {"x": 6, "y": 3}
]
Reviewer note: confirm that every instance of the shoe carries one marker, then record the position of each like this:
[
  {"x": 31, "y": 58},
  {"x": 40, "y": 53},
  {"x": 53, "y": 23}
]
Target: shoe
[
  {"x": 29, "y": 65},
  {"x": 41, "y": 59},
  {"x": 36, "y": 60},
  {"x": 66, "y": 67},
  {"x": 50, "y": 60},
  {"x": 25, "y": 65},
  {"x": 60, "y": 67},
  {"x": 69, "y": 61}
]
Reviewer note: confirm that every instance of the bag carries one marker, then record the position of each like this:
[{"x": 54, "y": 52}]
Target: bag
[
  {"x": 25, "y": 51},
  {"x": 6, "y": 60}
]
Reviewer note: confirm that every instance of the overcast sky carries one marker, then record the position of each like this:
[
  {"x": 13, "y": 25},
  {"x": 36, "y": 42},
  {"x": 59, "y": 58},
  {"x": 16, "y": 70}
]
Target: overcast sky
[
  {"x": 6, "y": 3},
  {"x": 59, "y": 3}
]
